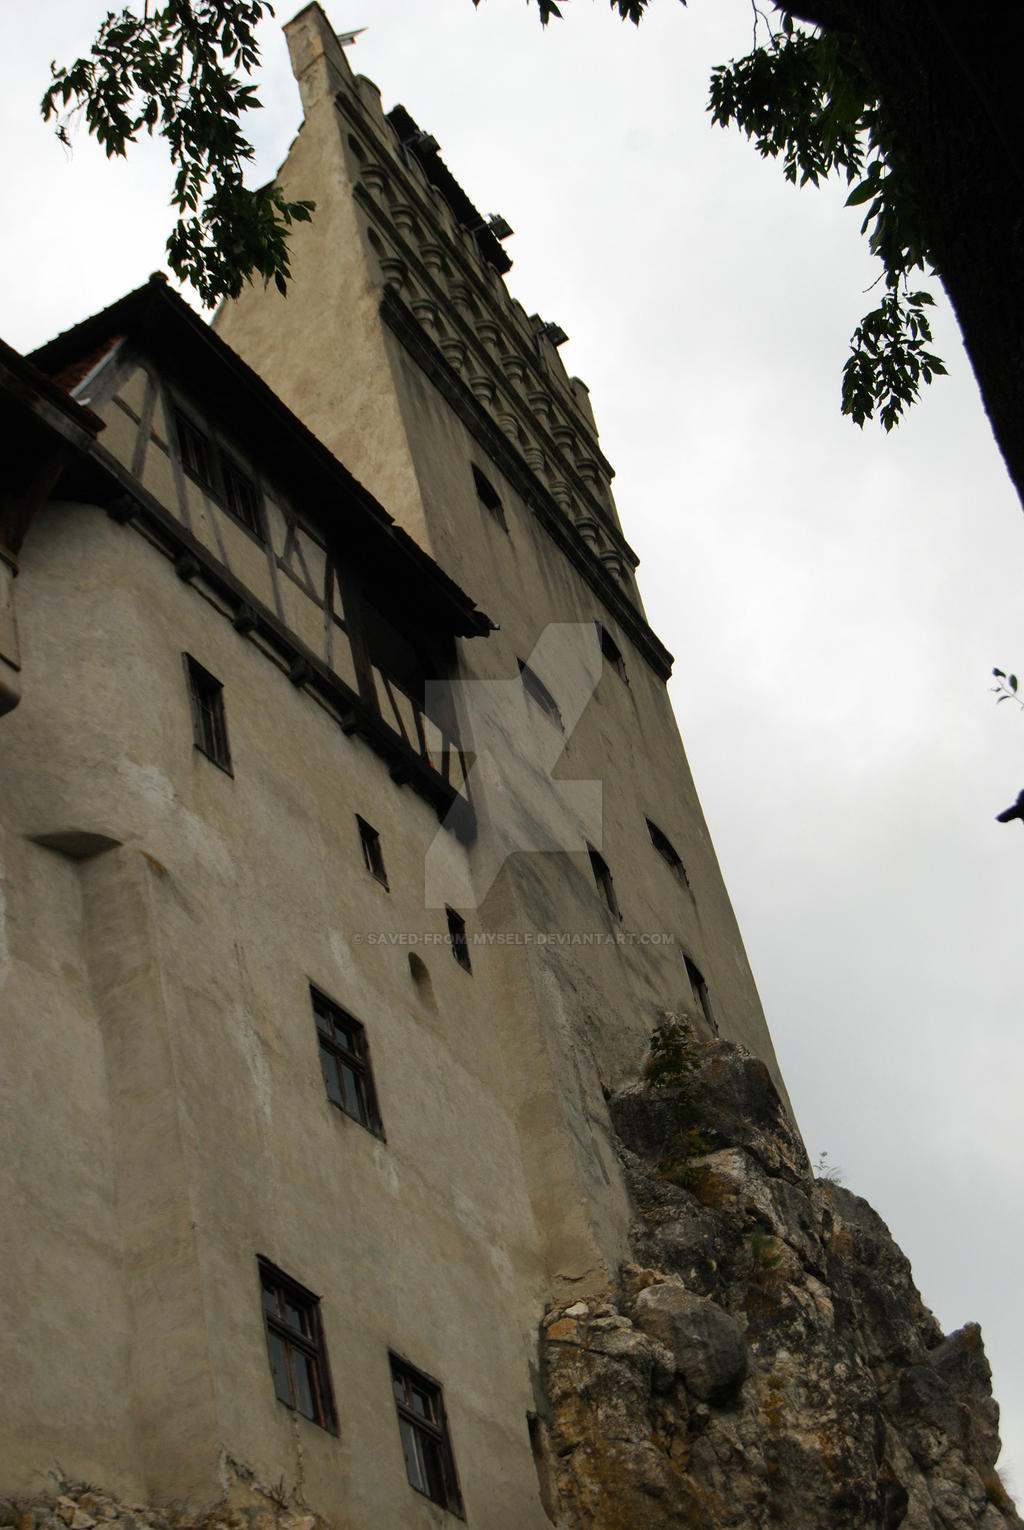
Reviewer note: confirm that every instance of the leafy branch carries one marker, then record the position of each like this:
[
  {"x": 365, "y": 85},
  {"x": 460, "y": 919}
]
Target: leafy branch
[
  {"x": 629, "y": 10},
  {"x": 808, "y": 99},
  {"x": 1005, "y": 688},
  {"x": 174, "y": 71}
]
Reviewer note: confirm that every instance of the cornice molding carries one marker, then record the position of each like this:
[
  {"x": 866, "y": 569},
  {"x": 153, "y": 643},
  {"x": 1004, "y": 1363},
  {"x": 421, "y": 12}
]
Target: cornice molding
[
  {"x": 527, "y": 485},
  {"x": 351, "y": 108}
]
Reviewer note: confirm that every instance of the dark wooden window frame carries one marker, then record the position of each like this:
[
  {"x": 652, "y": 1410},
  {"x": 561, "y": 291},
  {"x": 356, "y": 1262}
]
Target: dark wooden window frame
[
  {"x": 373, "y": 855},
  {"x": 605, "y": 883},
  {"x": 215, "y": 470},
  {"x": 345, "y": 1062},
  {"x": 457, "y": 938},
  {"x": 423, "y": 1431},
  {"x": 667, "y": 850},
  {"x": 209, "y": 720},
  {"x": 295, "y": 1346}
]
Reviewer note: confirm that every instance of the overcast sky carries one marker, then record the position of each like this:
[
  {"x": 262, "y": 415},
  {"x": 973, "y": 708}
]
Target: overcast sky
[{"x": 835, "y": 599}]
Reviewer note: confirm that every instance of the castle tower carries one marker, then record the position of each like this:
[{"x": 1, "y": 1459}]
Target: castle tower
[
  {"x": 350, "y": 856},
  {"x": 401, "y": 347}
]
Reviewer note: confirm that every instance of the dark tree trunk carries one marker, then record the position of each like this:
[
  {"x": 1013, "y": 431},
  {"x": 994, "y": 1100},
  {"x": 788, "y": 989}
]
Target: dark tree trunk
[{"x": 949, "y": 77}]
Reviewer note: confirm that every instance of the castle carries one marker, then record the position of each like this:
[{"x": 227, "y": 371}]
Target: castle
[{"x": 349, "y": 859}]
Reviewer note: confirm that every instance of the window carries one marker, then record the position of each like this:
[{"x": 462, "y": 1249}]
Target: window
[
  {"x": 298, "y": 1357},
  {"x": 206, "y": 461},
  {"x": 424, "y": 1433},
  {"x": 537, "y": 691},
  {"x": 209, "y": 725},
  {"x": 373, "y": 856},
  {"x": 612, "y": 652},
  {"x": 603, "y": 878},
  {"x": 196, "y": 454},
  {"x": 700, "y": 993},
  {"x": 457, "y": 938},
  {"x": 666, "y": 849},
  {"x": 488, "y": 496},
  {"x": 241, "y": 496},
  {"x": 345, "y": 1062}
]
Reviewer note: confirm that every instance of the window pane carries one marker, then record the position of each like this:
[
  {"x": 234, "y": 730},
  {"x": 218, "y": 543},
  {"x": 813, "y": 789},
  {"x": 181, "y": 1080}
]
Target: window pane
[
  {"x": 414, "y": 1464},
  {"x": 296, "y": 1317},
  {"x": 353, "y": 1087},
  {"x": 430, "y": 1465},
  {"x": 279, "y": 1367},
  {"x": 304, "y": 1379},
  {"x": 208, "y": 725},
  {"x": 329, "y": 1068},
  {"x": 346, "y": 1037}
]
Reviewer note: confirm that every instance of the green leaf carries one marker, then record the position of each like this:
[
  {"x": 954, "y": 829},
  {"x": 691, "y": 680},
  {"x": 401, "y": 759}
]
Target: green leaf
[{"x": 862, "y": 193}]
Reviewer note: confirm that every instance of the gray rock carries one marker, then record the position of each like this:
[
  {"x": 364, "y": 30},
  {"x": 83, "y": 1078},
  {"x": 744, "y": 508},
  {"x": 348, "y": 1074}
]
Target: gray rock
[
  {"x": 707, "y": 1344},
  {"x": 855, "y": 1412}
]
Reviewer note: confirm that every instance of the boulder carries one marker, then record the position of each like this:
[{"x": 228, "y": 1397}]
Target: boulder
[{"x": 706, "y": 1343}]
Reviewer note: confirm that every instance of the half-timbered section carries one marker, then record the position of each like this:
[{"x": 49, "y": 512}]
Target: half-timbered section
[{"x": 198, "y": 456}]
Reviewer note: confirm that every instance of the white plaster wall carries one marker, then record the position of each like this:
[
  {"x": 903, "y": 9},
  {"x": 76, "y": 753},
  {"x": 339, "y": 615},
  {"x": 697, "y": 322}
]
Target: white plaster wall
[{"x": 201, "y": 934}]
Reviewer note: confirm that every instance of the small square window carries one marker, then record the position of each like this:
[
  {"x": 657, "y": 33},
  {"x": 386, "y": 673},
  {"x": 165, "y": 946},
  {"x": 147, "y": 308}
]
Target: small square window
[
  {"x": 373, "y": 855},
  {"x": 209, "y": 724},
  {"x": 612, "y": 652},
  {"x": 423, "y": 1429},
  {"x": 345, "y": 1062},
  {"x": 667, "y": 850},
  {"x": 295, "y": 1341},
  {"x": 538, "y": 692},
  {"x": 700, "y": 993},
  {"x": 603, "y": 878},
  {"x": 457, "y": 938}
]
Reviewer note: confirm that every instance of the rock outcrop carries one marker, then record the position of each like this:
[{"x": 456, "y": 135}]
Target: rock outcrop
[
  {"x": 766, "y": 1359},
  {"x": 80, "y": 1506}
]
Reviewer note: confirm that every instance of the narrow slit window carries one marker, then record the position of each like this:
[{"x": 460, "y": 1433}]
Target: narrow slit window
[
  {"x": 209, "y": 723},
  {"x": 667, "y": 850},
  {"x": 457, "y": 938},
  {"x": 700, "y": 993},
  {"x": 538, "y": 692},
  {"x": 603, "y": 878},
  {"x": 489, "y": 497},
  {"x": 612, "y": 652},
  {"x": 295, "y": 1342},
  {"x": 345, "y": 1062},
  {"x": 423, "y": 1430},
  {"x": 373, "y": 855}
]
